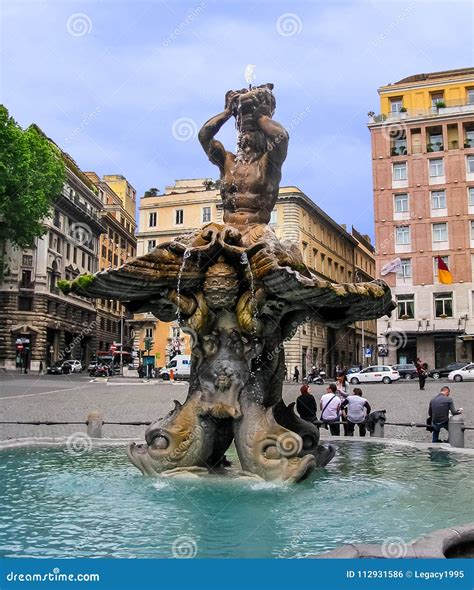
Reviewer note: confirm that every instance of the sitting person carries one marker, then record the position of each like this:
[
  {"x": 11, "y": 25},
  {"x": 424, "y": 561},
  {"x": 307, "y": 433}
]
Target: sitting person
[
  {"x": 330, "y": 405},
  {"x": 306, "y": 404},
  {"x": 355, "y": 409}
]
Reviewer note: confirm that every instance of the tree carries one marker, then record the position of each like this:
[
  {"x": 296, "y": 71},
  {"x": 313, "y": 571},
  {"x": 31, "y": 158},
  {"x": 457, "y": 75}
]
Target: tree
[{"x": 32, "y": 174}]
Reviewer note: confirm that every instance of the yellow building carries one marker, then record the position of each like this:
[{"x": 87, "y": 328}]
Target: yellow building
[
  {"x": 423, "y": 94},
  {"x": 327, "y": 248},
  {"x": 125, "y": 191}
]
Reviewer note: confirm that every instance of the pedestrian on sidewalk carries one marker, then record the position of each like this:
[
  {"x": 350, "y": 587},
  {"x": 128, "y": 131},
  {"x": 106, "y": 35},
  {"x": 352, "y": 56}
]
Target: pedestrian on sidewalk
[
  {"x": 422, "y": 370},
  {"x": 438, "y": 412}
]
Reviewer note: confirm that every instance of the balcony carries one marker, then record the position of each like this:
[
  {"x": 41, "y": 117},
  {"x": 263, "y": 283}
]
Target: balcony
[{"x": 452, "y": 107}]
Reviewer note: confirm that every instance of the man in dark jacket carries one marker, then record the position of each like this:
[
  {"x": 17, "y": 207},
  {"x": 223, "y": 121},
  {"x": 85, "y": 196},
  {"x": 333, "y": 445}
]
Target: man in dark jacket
[
  {"x": 438, "y": 411},
  {"x": 306, "y": 404}
]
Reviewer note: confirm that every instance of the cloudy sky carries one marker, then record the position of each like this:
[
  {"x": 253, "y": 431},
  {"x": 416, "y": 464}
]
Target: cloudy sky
[{"x": 124, "y": 85}]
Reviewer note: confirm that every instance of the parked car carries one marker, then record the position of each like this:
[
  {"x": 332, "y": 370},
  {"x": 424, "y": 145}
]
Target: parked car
[
  {"x": 444, "y": 371},
  {"x": 407, "y": 371},
  {"x": 466, "y": 373},
  {"x": 92, "y": 366},
  {"x": 55, "y": 369},
  {"x": 73, "y": 365},
  {"x": 181, "y": 366},
  {"x": 374, "y": 374}
]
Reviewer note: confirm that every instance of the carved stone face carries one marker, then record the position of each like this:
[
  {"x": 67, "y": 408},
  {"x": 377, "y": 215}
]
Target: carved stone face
[{"x": 221, "y": 291}]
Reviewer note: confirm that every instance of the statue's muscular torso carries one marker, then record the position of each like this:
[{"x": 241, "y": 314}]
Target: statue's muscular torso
[{"x": 249, "y": 190}]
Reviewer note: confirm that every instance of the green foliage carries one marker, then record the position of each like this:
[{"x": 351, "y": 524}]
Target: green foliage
[
  {"x": 32, "y": 174},
  {"x": 78, "y": 285},
  {"x": 64, "y": 286}
]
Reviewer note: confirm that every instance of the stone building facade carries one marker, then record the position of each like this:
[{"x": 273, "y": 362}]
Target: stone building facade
[
  {"x": 423, "y": 175},
  {"x": 328, "y": 249},
  {"x": 38, "y": 323}
]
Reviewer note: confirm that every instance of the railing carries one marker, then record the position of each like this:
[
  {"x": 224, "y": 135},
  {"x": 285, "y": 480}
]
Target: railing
[
  {"x": 451, "y": 107},
  {"x": 95, "y": 423}
]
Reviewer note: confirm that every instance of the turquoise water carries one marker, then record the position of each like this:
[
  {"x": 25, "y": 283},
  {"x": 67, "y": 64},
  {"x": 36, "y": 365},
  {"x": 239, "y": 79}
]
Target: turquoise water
[{"x": 57, "y": 504}]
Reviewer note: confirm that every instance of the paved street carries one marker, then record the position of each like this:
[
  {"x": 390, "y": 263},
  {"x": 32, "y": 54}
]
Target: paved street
[{"x": 72, "y": 397}]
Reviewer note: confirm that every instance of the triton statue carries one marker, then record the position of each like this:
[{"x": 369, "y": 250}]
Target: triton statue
[{"x": 240, "y": 293}]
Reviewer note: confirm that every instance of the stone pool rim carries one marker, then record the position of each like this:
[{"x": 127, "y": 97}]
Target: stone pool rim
[{"x": 45, "y": 441}]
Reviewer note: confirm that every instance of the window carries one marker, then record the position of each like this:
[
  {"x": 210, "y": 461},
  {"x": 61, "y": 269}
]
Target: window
[
  {"x": 148, "y": 332},
  {"x": 402, "y": 235},
  {"x": 470, "y": 95},
  {"x": 206, "y": 214},
  {"x": 406, "y": 307},
  {"x": 151, "y": 245},
  {"x": 443, "y": 305},
  {"x": 401, "y": 203},
  {"x": 273, "y": 217},
  {"x": 68, "y": 250},
  {"x": 436, "y": 97},
  {"x": 405, "y": 271},
  {"x": 400, "y": 171},
  {"x": 25, "y": 279},
  {"x": 438, "y": 199},
  {"x": 25, "y": 303},
  {"x": 471, "y": 196},
  {"x": 75, "y": 255},
  {"x": 179, "y": 216},
  {"x": 440, "y": 232},
  {"x": 27, "y": 260},
  {"x": 104, "y": 251},
  {"x": 396, "y": 104},
  {"x": 436, "y": 167},
  {"x": 152, "y": 219},
  {"x": 470, "y": 164},
  {"x": 472, "y": 231},
  {"x": 83, "y": 259}
]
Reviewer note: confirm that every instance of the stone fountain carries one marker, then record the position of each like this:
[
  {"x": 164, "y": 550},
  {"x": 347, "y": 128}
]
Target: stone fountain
[{"x": 239, "y": 293}]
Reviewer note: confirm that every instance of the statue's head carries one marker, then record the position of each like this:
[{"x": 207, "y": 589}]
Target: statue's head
[{"x": 221, "y": 285}]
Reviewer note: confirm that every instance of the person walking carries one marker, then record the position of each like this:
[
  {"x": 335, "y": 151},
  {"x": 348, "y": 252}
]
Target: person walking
[
  {"x": 438, "y": 412},
  {"x": 296, "y": 375},
  {"x": 421, "y": 369},
  {"x": 356, "y": 409},
  {"x": 40, "y": 368},
  {"x": 330, "y": 405},
  {"x": 306, "y": 403}
]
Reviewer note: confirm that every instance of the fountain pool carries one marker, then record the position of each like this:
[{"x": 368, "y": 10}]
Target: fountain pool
[{"x": 60, "y": 504}]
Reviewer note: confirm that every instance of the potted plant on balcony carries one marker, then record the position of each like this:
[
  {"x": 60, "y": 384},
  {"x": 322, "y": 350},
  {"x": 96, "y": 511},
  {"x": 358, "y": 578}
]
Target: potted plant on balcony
[
  {"x": 440, "y": 105},
  {"x": 393, "y": 151},
  {"x": 467, "y": 143},
  {"x": 429, "y": 147},
  {"x": 403, "y": 113}
]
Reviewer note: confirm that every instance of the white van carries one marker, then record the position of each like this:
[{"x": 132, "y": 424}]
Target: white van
[{"x": 181, "y": 365}]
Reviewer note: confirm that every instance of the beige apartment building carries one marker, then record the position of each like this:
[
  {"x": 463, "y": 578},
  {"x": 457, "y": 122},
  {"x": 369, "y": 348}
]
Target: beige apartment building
[
  {"x": 328, "y": 249},
  {"x": 423, "y": 176},
  {"x": 117, "y": 245}
]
